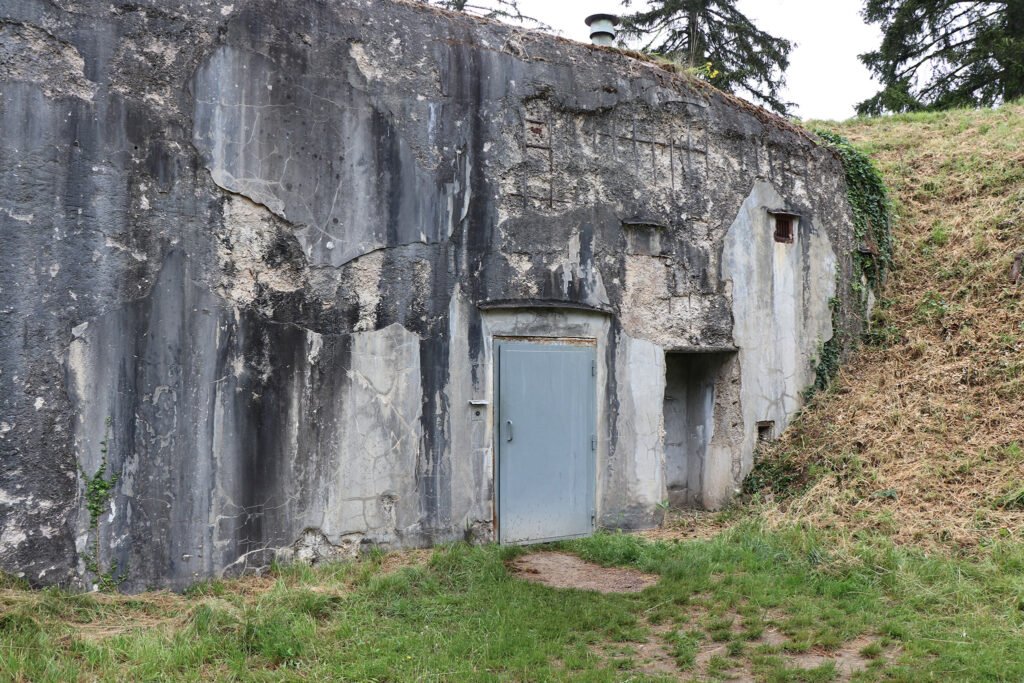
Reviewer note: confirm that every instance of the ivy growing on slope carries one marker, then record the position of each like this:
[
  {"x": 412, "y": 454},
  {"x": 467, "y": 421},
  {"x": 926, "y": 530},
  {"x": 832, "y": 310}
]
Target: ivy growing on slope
[
  {"x": 872, "y": 209},
  {"x": 872, "y": 258}
]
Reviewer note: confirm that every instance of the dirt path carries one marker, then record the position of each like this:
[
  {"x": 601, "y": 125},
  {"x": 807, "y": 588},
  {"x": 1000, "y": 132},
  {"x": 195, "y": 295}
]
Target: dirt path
[
  {"x": 563, "y": 570},
  {"x": 737, "y": 657}
]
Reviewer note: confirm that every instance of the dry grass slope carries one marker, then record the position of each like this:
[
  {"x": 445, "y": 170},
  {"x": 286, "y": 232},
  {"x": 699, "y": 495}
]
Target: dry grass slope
[{"x": 921, "y": 437}]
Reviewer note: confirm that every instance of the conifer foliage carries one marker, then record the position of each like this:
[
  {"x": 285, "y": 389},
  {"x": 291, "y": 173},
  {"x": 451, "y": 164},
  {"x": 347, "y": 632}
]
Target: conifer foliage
[
  {"x": 506, "y": 10},
  {"x": 718, "y": 42},
  {"x": 940, "y": 54}
]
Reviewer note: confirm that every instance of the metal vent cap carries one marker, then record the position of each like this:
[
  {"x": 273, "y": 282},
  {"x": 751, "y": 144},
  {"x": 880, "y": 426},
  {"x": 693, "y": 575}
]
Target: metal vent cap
[{"x": 602, "y": 28}]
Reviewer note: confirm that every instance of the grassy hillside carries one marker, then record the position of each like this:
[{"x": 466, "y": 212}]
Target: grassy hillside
[{"x": 921, "y": 437}]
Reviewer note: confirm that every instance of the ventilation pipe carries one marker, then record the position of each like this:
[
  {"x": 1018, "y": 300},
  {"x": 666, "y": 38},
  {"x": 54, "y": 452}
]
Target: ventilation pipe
[{"x": 602, "y": 29}]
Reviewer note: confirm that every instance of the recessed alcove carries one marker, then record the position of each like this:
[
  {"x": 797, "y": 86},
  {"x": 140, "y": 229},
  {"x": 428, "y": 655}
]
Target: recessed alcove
[{"x": 690, "y": 380}]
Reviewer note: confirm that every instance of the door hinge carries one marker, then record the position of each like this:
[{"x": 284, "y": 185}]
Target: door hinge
[
  {"x": 593, "y": 443},
  {"x": 593, "y": 368}
]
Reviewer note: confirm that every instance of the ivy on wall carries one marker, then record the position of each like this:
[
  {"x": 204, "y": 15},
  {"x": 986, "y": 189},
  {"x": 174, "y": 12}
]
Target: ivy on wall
[
  {"x": 98, "y": 492},
  {"x": 872, "y": 257},
  {"x": 872, "y": 209}
]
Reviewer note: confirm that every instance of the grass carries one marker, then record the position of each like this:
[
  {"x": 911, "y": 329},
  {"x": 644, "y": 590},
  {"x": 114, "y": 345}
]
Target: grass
[
  {"x": 460, "y": 615},
  {"x": 916, "y": 436}
]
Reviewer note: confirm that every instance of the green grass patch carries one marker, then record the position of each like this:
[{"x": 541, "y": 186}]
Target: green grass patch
[{"x": 463, "y": 616}]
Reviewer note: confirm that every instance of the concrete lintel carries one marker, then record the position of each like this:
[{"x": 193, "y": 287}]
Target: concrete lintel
[
  {"x": 702, "y": 349},
  {"x": 528, "y": 304}
]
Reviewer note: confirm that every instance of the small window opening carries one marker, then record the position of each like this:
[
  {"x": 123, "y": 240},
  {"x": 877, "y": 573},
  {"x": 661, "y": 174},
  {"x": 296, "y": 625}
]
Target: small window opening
[
  {"x": 785, "y": 225},
  {"x": 765, "y": 431},
  {"x": 783, "y": 229}
]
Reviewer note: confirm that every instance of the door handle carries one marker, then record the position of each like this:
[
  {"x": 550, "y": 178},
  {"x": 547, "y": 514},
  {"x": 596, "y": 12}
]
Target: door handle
[{"x": 508, "y": 430}]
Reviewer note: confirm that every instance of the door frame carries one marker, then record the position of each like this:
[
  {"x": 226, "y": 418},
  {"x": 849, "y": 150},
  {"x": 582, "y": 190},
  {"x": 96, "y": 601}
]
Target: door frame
[
  {"x": 497, "y": 341},
  {"x": 544, "y": 320}
]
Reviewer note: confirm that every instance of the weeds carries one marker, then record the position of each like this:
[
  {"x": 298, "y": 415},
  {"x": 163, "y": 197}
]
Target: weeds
[
  {"x": 1013, "y": 499},
  {"x": 779, "y": 475},
  {"x": 98, "y": 488},
  {"x": 941, "y": 370},
  {"x": 98, "y": 491},
  {"x": 872, "y": 218}
]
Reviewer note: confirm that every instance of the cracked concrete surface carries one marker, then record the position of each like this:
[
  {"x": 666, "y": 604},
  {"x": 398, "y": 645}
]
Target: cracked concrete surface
[
  {"x": 272, "y": 246},
  {"x": 316, "y": 177}
]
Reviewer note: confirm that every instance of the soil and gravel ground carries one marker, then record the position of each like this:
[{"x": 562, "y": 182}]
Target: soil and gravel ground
[
  {"x": 565, "y": 570},
  {"x": 654, "y": 656}
]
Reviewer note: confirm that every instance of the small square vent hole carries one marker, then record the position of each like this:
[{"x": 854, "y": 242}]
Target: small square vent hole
[
  {"x": 765, "y": 431},
  {"x": 785, "y": 226}
]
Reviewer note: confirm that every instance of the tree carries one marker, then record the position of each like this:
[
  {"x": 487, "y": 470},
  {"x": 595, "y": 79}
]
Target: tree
[
  {"x": 719, "y": 42},
  {"x": 506, "y": 10},
  {"x": 938, "y": 54}
]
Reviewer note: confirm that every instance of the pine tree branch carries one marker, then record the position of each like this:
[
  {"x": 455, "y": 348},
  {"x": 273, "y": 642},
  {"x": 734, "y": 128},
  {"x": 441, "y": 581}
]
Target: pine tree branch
[
  {"x": 908, "y": 70},
  {"x": 945, "y": 78},
  {"x": 937, "y": 53}
]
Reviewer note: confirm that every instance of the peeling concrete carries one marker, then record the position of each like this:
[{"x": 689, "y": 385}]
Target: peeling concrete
[
  {"x": 256, "y": 254},
  {"x": 32, "y": 54}
]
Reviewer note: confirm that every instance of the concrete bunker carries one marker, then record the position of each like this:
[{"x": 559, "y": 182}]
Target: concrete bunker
[{"x": 273, "y": 295}]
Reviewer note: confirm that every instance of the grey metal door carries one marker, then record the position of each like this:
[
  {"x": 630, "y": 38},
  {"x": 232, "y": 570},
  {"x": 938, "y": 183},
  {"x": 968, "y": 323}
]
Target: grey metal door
[{"x": 546, "y": 440}]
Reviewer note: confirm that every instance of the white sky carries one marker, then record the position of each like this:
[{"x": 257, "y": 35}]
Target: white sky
[{"x": 825, "y": 79}]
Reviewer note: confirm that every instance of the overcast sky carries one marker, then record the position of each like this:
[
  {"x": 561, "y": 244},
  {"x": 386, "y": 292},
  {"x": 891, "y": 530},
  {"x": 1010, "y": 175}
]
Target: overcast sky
[{"x": 825, "y": 78}]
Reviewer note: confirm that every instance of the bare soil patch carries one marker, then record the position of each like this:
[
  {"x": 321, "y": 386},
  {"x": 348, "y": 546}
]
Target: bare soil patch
[
  {"x": 847, "y": 660},
  {"x": 393, "y": 562},
  {"x": 686, "y": 525},
  {"x": 715, "y": 660},
  {"x": 563, "y": 570},
  {"x": 655, "y": 656}
]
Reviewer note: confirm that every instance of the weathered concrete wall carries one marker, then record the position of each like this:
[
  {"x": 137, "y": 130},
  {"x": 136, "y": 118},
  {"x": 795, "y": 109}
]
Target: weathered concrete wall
[
  {"x": 260, "y": 251},
  {"x": 781, "y": 312},
  {"x": 637, "y": 474}
]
